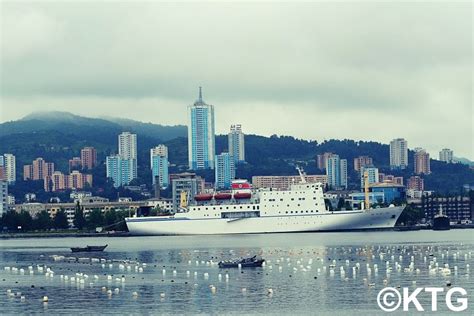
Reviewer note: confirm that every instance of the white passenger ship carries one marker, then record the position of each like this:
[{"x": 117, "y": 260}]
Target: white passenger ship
[{"x": 244, "y": 211}]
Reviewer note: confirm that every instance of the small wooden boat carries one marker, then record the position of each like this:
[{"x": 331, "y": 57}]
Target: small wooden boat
[
  {"x": 88, "y": 248},
  {"x": 252, "y": 262}
]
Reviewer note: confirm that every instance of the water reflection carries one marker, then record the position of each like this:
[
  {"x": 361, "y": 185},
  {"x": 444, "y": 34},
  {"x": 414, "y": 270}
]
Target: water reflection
[{"x": 306, "y": 273}]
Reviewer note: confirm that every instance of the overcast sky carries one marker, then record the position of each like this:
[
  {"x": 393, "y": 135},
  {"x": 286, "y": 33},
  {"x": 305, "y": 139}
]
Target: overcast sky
[{"x": 373, "y": 70}]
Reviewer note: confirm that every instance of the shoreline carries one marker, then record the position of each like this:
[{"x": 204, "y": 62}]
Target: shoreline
[
  {"x": 4, "y": 236},
  {"x": 61, "y": 235}
]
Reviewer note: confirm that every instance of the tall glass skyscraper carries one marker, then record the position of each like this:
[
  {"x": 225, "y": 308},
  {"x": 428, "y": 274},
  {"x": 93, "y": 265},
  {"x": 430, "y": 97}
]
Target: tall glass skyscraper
[
  {"x": 128, "y": 151},
  {"x": 336, "y": 171},
  {"x": 398, "y": 154},
  {"x": 201, "y": 141},
  {"x": 225, "y": 171},
  {"x": 237, "y": 143},
  {"x": 122, "y": 168},
  {"x": 159, "y": 165}
]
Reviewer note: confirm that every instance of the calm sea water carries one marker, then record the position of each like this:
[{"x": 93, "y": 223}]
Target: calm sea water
[{"x": 302, "y": 274}]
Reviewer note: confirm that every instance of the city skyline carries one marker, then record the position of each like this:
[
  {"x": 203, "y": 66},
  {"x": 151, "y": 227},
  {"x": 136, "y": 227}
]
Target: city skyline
[{"x": 310, "y": 69}]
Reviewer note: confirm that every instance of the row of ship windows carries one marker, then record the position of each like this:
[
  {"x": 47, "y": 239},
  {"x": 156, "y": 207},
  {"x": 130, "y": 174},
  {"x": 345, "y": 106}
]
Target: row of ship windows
[
  {"x": 223, "y": 215},
  {"x": 287, "y": 205},
  {"x": 301, "y": 212},
  {"x": 283, "y": 192},
  {"x": 299, "y": 199}
]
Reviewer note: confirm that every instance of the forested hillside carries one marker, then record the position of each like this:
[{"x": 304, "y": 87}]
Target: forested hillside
[{"x": 58, "y": 136}]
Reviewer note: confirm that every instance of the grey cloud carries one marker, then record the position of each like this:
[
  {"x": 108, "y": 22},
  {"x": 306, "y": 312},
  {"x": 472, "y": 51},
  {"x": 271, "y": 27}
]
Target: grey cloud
[{"x": 384, "y": 60}]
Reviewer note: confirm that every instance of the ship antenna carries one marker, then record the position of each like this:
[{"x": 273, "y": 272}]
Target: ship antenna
[{"x": 300, "y": 171}]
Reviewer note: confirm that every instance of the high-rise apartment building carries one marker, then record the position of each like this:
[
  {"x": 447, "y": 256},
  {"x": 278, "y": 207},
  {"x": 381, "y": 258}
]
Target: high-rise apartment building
[
  {"x": 236, "y": 140},
  {"x": 188, "y": 183},
  {"x": 88, "y": 157},
  {"x": 38, "y": 170},
  {"x": 79, "y": 180},
  {"x": 57, "y": 182},
  {"x": 128, "y": 151},
  {"x": 159, "y": 165},
  {"x": 127, "y": 143},
  {"x": 3, "y": 197},
  {"x": 76, "y": 180},
  {"x": 321, "y": 160},
  {"x": 336, "y": 171},
  {"x": 390, "y": 178},
  {"x": 398, "y": 154},
  {"x": 160, "y": 150},
  {"x": 362, "y": 161},
  {"x": 8, "y": 166},
  {"x": 343, "y": 164},
  {"x": 372, "y": 176},
  {"x": 120, "y": 170},
  {"x": 224, "y": 171},
  {"x": 446, "y": 155},
  {"x": 416, "y": 183},
  {"x": 75, "y": 164},
  {"x": 201, "y": 139},
  {"x": 422, "y": 162},
  {"x": 27, "y": 172}
]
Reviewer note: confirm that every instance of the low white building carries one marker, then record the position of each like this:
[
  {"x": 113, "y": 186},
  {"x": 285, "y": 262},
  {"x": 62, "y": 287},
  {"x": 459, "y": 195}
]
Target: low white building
[
  {"x": 415, "y": 194},
  {"x": 163, "y": 204}
]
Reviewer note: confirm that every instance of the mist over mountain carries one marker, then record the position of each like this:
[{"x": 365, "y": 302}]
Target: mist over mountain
[{"x": 77, "y": 125}]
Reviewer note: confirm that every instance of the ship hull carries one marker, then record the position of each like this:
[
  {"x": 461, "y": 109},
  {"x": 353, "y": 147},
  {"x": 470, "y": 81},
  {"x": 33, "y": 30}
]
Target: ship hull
[{"x": 376, "y": 219}]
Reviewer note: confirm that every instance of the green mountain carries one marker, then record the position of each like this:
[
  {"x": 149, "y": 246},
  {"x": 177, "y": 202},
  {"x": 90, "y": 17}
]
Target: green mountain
[
  {"x": 68, "y": 123},
  {"x": 59, "y": 136}
]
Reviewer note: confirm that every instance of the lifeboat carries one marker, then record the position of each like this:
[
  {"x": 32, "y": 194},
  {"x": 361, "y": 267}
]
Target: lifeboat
[
  {"x": 203, "y": 197},
  {"x": 242, "y": 195},
  {"x": 222, "y": 196}
]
